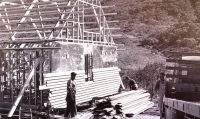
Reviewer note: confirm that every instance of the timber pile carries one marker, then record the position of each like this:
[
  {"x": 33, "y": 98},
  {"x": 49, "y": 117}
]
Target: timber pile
[
  {"x": 103, "y": 108},
  {"x": 128, "y": 103}
]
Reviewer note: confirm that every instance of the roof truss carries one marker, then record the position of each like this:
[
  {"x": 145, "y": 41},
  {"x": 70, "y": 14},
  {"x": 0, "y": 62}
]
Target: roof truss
[{"x": 78, "y": 21}]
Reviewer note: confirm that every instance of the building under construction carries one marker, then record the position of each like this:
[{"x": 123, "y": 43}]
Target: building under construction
[{"x": 42, "y": 42}]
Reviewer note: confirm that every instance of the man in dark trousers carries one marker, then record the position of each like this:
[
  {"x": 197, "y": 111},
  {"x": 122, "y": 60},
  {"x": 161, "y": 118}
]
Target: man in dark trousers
[
  {"x": 71, "y": 110},
  {"x": 160, "y": 90}
]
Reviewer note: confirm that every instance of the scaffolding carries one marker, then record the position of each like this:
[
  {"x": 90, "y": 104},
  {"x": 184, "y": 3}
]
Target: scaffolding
[{"x": 29, "y": 31}]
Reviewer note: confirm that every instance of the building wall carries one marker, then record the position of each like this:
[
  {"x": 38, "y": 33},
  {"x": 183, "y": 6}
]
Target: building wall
[{"x": 71, "y": 56}]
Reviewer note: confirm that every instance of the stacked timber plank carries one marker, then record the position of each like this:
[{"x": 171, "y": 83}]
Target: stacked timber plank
[
  {"x": 106, "y": 82},
  {"x": 133, "y": 102}
]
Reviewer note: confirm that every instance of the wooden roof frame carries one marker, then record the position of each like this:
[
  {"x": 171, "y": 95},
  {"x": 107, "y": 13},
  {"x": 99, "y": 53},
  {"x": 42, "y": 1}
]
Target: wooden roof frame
[{"x": 67, "y": 23}]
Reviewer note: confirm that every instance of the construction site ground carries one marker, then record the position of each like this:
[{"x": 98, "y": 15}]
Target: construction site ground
[
  {"x": 152, "y": 113},
  {"x": 85, "y": 112}
]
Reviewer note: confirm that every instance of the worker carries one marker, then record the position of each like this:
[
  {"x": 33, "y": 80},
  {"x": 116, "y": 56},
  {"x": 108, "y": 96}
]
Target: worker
[
  {"x": 132, "y": 84},
  {"x": 160, "y": 90},
  {"x": 71, "y": 110}
]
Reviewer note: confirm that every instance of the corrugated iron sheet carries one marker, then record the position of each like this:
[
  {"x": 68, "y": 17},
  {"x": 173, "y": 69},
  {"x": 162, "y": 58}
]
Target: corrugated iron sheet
[{"x": 106, "y": 82}]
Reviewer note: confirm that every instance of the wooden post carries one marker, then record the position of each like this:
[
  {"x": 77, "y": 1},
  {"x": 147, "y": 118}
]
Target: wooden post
[
  {"x": 67, "y": 32},
  {"x": 50, "y": 61},
  {"x": 83, "y": 22},
  {"x": 73, "y": 25},
  {"x": 29, "y": 96},
  {"x": 78, "y": 30},
  {"x": 36, "y": 77},
  {"x": 100, "y": 22},
  {"x": 104, "y": 26},
  {"x": 18, "y": 72},
  {"x": 5, "y": 68},
  {"x": 11, "y": 78},
  {"x": 24, "y": 68},
  {"x": 41, "y": 77}
]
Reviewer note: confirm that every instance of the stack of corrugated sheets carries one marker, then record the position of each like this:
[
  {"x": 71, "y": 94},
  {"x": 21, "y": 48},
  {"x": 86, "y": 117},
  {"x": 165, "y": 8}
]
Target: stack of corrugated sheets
[
  {"x": 106, "y": 82},
  {"x": 133, "y": 102}
]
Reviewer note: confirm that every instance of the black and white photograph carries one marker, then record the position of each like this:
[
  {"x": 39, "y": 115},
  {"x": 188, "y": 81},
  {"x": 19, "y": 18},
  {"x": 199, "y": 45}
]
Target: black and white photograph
[{"x": 99, "y": 59}]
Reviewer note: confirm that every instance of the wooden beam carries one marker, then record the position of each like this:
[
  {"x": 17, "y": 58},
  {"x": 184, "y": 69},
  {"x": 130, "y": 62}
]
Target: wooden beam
[
  {"x": 183, "y": 54},
  {"x": 183, "y": 61},
  {"x": 112, "y": 21},
  {"x": 13, "y": 7},
  {"x": 36, "y": 48},
  {"x": 113, "y": 28},
  {"x": 36, "y": 21},
  {"x": 184, "y": 77},
  {"x": 27, "y": 40},
  {"x": 107, "y": 14},
  {"x": 182, "y": 68},
  {"x": 31, "y": 29},
  {"x": 37, "y": 9},
  {"x": 34, "y": 15},
  {"x": 37, "y": 3}
]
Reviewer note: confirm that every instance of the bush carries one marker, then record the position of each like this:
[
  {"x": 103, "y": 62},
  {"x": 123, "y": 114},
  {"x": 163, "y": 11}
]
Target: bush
[
  {"x": 147, "y": 76},
  {"x": 149, "y": 41},
  {"x": 187, "y": 42}
]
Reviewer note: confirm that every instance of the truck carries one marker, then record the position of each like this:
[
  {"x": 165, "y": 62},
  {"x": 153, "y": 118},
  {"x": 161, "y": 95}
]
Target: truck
[{"x": 182, "y": 90}]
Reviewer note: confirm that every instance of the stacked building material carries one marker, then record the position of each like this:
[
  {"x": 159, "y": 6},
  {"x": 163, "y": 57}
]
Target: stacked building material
[{"x": 132, "y": 102}]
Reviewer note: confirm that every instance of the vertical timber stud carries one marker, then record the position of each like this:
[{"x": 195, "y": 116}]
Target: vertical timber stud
[
  {"x": 23, "y": 67},
  {"x": 29, "y": 96},
  {"x": 83, "y": 23},
  {"x": 11, "y": 76},
  {"x": 37, "y": 78},
  {"x": 99, "y": 21},
  {"x": 41, "y": 76},
  {"x": 18, "y": 72},
  {"x": 73, "y": 24},
  {"x": 50, "y": 61},
  {"x": 4, "y": 74},
  {"x": 78, "y": 22},
  {"x": 104, "y": 26}
]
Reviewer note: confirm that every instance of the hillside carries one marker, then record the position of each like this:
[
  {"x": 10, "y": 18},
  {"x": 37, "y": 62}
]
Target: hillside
[
  {"x": 149, "y": 29},
  {"x": 163, "y": 24}
]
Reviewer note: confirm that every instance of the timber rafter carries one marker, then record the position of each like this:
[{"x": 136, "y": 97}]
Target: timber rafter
[{"x": 56, "y": 20}]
